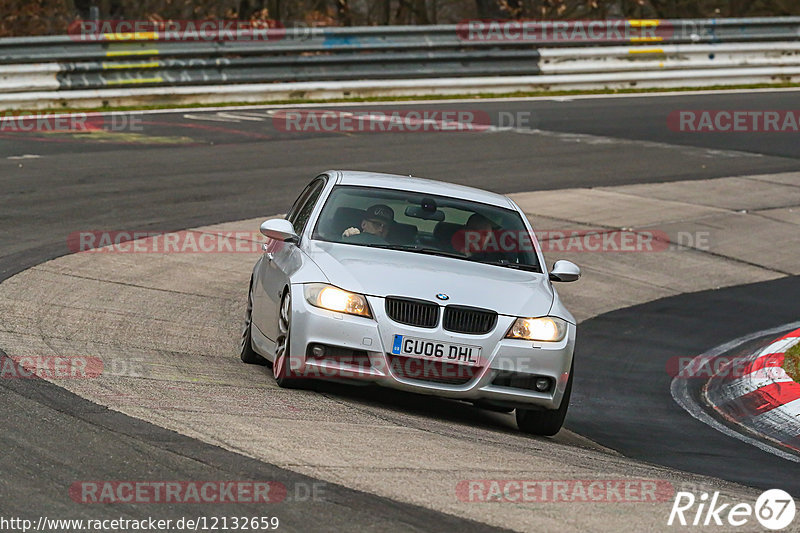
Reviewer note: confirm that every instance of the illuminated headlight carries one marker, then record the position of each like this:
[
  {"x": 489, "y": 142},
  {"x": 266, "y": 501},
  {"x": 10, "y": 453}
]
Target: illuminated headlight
[
  {"x": 335, "y": 299},
  {"x": 545, "y": 329}
]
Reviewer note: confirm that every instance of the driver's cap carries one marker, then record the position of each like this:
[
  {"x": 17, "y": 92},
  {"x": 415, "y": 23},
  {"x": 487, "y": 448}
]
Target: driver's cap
[{"x": 381, "y": 213}]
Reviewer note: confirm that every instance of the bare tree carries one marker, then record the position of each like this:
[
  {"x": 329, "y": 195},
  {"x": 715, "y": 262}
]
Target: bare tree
[
  {"x": 43, "y": 17},
  {"x": 412, "y": 12},
  {"x": 343, "y": 13},
  {"x": 383, "y": 10}
]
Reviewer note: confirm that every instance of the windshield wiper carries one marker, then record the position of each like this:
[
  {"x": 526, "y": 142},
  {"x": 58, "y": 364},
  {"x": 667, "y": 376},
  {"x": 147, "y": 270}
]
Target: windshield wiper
[
  {"x": 507, "y": 264},
  {"x": 433, "y": 251},
  {"x": 443, "y": 253},
  {"x": 417, "y": 249}
]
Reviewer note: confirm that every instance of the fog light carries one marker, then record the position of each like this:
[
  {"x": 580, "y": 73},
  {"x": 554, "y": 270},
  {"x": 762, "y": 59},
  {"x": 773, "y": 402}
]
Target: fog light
[
  {"x": 542, "y": 384},
  {"x": 318, "y": 351}
]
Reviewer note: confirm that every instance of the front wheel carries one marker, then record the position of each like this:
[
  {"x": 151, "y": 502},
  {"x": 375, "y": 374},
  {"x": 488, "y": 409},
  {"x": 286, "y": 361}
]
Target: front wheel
[
  {"x": 548, "y": 422},
  {"x": 247, "y": 353},
  {"x": 281, "y": 367}
]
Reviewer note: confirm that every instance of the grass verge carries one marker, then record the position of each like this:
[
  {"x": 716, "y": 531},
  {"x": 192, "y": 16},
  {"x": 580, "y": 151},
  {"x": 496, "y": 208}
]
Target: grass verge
[{"x": 791, "y": 362}]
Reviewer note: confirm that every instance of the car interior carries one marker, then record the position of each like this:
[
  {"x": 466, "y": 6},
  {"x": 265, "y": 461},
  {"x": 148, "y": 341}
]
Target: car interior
[
  {"x": 418, "y": 221},
  {"x": 399, "y": 233}
]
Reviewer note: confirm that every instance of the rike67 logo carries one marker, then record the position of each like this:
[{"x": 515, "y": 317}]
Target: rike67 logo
[{"x": 774, "y": 509}]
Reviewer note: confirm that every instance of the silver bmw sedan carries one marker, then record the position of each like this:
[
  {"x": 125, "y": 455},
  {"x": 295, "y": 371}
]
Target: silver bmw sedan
[{"x": 418, "y": 285}]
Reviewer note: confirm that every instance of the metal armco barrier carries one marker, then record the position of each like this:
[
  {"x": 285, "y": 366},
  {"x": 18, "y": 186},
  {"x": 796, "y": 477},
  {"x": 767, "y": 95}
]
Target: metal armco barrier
[{"x": 484, "y": 56}]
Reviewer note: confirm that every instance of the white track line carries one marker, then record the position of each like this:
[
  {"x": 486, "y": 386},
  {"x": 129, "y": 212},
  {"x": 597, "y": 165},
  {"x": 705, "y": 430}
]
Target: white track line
[{"x": 475, "y": 101}]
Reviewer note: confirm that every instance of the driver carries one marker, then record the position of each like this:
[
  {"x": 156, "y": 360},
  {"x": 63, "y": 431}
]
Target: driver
[
  {"x": 476, "y": 233},
  {"x": 374, "y": 227}
]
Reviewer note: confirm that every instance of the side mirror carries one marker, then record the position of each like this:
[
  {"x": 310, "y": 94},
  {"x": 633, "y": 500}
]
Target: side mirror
[
  {"x": 279, "y": 229},
  {"x": 565, "y": 271}
]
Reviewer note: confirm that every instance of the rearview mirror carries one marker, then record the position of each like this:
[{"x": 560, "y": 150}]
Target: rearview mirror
[
  {"x": 279, "y": 229},
  {"x": 565, "y": 271},
  {"x": 416, "y": 211}
]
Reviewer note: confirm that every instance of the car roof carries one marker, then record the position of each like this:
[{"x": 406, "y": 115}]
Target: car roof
[{"x": 422, "y": 185}]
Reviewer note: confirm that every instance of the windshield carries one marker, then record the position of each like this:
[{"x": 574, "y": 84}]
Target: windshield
[{"x": 429, "y": 224}]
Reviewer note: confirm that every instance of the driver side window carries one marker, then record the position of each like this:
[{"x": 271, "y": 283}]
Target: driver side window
[{"x": 304, "y": 205}]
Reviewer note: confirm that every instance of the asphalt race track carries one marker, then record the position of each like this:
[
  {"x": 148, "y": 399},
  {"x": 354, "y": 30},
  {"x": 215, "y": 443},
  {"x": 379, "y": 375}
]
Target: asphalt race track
[
  {"x": 196, "y": 168},
  {"x": 624, "y": 383}
]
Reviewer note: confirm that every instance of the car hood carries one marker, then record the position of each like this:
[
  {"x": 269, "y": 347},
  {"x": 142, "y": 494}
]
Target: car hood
[{"x": 379, "y": 272}]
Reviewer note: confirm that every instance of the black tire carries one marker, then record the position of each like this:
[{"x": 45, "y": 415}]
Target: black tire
[
  {"x": 284, "y": 376},
  {"x": 247, "y": 353},
  {"x": 546, "y": 423}
]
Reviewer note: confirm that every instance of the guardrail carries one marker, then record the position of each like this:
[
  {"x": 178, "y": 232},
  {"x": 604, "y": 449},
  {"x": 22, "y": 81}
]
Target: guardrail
[{"x": 98, "y": 69}]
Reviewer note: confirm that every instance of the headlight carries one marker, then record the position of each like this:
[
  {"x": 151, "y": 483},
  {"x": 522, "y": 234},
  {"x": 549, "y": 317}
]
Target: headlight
[
  {"x": 546, "y": 329},
  {"x": 335, "y": 299}
]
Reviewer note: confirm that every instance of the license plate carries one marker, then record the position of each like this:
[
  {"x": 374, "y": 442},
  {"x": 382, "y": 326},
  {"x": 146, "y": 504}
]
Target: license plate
[{"x": 445, "y": 352}]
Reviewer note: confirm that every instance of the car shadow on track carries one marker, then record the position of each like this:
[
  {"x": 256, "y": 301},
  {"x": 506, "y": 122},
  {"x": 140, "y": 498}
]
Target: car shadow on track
[
  {"x": 441, "y": 415},
  {"x": 400, "y": 406}
]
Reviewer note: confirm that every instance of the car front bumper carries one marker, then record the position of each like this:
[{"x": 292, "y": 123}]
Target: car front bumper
[{"x": 373, "y": 340}]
